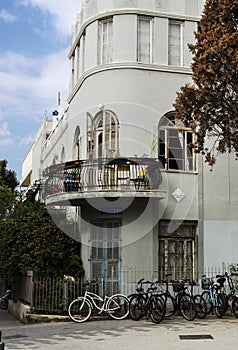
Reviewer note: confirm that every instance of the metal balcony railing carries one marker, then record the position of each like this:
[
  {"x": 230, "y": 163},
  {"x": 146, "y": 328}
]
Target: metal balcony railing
[{"x": 116, "y": 174}]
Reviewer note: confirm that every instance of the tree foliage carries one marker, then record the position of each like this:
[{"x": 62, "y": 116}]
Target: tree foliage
[
  {"x": 8, "y": 193},
  {"x": 30, "y": 240},
  {"x": 8, "y": 177},
  {"x": 210, "y": 105},
  {"x": 7, "y": 199}
]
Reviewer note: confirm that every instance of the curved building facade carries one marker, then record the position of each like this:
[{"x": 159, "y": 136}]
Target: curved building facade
[{"x": 117, "y": 165}]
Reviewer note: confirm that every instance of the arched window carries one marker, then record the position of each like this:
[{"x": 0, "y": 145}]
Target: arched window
[
  {"x": 102, "y": 134},
  {"x": 175, "y": 152},
  {"x": 76, "y": 145}
]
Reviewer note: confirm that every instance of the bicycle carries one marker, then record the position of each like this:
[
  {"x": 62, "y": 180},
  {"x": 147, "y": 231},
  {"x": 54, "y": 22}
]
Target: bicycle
[
  {"x": 214, "y": 297},
  {"x": 80, "y": 309},
  {"x": 146, "y": 303},
  {"x": 232, "y": 297},
  {"x": 200, "y": 302},
  {"x": 182, "y": 302}
]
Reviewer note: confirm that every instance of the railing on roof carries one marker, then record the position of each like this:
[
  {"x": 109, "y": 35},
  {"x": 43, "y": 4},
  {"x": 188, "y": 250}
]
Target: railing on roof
[{"x": 103, "y": 174}]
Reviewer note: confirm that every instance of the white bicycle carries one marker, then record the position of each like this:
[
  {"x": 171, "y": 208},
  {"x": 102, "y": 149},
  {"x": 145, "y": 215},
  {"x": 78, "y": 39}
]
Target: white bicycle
[{"x": 80, "y": 309}]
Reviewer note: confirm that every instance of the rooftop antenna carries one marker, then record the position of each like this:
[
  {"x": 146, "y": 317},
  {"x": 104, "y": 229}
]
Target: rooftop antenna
[{"x": 58, "y": 98}]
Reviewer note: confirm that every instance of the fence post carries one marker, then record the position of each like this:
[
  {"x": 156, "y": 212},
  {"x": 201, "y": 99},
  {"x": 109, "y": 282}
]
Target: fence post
[{"x": 65, "y": 295}]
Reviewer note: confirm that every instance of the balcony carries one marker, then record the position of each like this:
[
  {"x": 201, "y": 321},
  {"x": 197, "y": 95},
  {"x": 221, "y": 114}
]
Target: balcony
[{"x": 138, "y": 177}]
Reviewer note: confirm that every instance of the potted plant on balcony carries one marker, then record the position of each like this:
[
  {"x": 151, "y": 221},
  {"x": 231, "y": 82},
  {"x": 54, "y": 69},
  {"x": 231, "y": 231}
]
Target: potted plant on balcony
[{"x": 74, "y": 179}]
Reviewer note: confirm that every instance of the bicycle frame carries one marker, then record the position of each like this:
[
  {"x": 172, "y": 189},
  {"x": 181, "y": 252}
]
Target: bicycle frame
[
  {"x": 213, "y": 294},
  {"x": 167, "y": 294},
  {"x": 233, "y": 290},
  {"x": 92, "y": 297}
]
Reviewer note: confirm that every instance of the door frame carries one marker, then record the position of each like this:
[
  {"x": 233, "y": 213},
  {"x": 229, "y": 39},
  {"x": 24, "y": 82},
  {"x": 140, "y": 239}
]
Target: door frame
[{"x": 100, "y": 249}]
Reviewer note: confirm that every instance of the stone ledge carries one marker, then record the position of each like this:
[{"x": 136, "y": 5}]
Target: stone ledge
[{"x": 22, "y": 312}]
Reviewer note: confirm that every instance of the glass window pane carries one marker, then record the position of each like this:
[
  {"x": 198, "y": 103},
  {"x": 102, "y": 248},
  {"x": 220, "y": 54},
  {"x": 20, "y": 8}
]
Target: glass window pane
[
  {"x": 176, "y": 153},
  {"x": 106, "y": 41},
  {"x": 96, "y": 270},
  {"x": 175, "y": 44},
  {"x": 144, "y": 40}
]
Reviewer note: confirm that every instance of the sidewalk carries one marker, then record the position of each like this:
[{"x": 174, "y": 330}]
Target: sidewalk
[
  {"x": 7, "y": 320},
  {"x": 174, "y": 333}
]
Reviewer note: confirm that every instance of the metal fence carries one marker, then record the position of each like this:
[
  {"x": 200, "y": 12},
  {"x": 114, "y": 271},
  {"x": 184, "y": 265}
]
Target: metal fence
[{"x": 52, "y": 295}]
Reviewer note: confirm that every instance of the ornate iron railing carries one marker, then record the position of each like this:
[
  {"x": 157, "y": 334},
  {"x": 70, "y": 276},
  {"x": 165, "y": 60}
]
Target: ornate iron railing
[{"x": 116, "y": 174}]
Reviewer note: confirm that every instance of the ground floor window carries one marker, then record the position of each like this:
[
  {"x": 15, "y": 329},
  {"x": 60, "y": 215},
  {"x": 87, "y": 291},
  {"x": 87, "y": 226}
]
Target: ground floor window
[{"x": 177, "y": 250}]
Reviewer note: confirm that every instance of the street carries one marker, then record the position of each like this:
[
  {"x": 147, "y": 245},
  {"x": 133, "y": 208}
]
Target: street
[{"x": 210, "y": 333}]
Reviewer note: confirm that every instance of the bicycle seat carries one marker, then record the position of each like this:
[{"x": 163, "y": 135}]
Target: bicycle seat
[{"x": 221, "y": 281}]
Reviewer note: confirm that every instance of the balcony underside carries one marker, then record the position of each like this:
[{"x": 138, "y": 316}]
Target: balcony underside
[{"x": 77, "y": 198}]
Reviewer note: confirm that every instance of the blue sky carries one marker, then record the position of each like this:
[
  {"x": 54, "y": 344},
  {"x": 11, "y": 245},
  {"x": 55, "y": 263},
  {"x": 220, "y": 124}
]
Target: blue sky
[{"x": 34, "y": 44}]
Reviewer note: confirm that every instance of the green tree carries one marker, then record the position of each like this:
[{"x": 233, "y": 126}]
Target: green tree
[
  {"x": 210, "y": 105},
  {"x": 32, "y": 241},
  {"x": 7, "y": 199},
  {"x": 8, "y": 177}
]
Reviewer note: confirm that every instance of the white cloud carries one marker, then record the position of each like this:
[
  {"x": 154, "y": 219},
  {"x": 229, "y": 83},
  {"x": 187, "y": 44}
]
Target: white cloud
[
  {"x": 6, "y": 138},
  {"x": 5, "y": 142},
  {"x": 6, "y": 16},
  {"x": 28, "y": 140},
  {"x": 30, "y": 86},
  {"x": 63, "y": 12},
  {"x": 4, "y": 131}
]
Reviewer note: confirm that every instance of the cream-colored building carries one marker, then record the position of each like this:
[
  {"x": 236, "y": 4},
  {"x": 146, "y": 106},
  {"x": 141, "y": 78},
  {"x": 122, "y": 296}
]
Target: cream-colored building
[{"x": 116, "y": 169}]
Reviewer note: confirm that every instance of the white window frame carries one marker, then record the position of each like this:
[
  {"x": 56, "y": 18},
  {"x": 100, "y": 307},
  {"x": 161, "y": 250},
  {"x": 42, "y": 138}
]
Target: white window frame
[
  {"x": 106, "y": 41},
  {"x": 172, "y": 60},
  {"x": 141, "y": 57},
  {"x": 164, "y": 139}
]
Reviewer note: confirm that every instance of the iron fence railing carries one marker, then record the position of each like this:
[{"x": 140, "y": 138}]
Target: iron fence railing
[
  {"x": 52, "y": 295},
  {"x": 124, "y": 174}
]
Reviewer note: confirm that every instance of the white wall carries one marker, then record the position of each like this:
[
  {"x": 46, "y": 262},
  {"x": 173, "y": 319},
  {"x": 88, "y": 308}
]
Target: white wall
[{"x": 220, "y": 242}]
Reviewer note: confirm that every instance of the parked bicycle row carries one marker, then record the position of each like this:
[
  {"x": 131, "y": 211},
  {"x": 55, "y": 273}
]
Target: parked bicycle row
[{"x": 156, "y": 301}]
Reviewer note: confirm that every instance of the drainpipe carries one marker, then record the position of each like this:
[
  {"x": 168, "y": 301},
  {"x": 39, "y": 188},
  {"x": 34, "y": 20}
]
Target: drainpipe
[{"x": 200, "y": 247}]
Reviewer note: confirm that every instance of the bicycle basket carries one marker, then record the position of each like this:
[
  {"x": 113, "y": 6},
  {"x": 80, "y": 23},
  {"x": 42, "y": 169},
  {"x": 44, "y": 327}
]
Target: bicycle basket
[
  {"x": 206, "y": 283},
  {"x": 178, "y": 286}
]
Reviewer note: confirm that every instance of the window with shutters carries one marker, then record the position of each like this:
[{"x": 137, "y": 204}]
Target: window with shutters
[{"x": 102, "y": 135}]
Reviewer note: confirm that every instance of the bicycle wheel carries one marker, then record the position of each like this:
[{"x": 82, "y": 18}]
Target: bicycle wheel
[
  {"x": 187, "y": 307},
  {"x": 157, "y": 309},
  {"x": 137, "y": 307},
  {"x": 4, "y": 304},
  {"x": 170, "y": 308},
  {"x": 118, "y": 306},
  {"x": 234, "y": 306},
  {"x": 79, "y": 310},
  {"x": 201, "y": 306},
  {"x": 206, "y": 296},
  {"x": 220, "y": 307}
]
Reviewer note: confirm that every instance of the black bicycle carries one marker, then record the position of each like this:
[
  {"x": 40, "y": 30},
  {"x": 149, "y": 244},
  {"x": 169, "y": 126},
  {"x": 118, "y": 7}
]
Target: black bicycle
[
  {"x": 146, "y": 303},
  {"x": 200, "y": 302},
  {"x": 231, "y": 296},
  {"x": 182, "y": 302}
]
